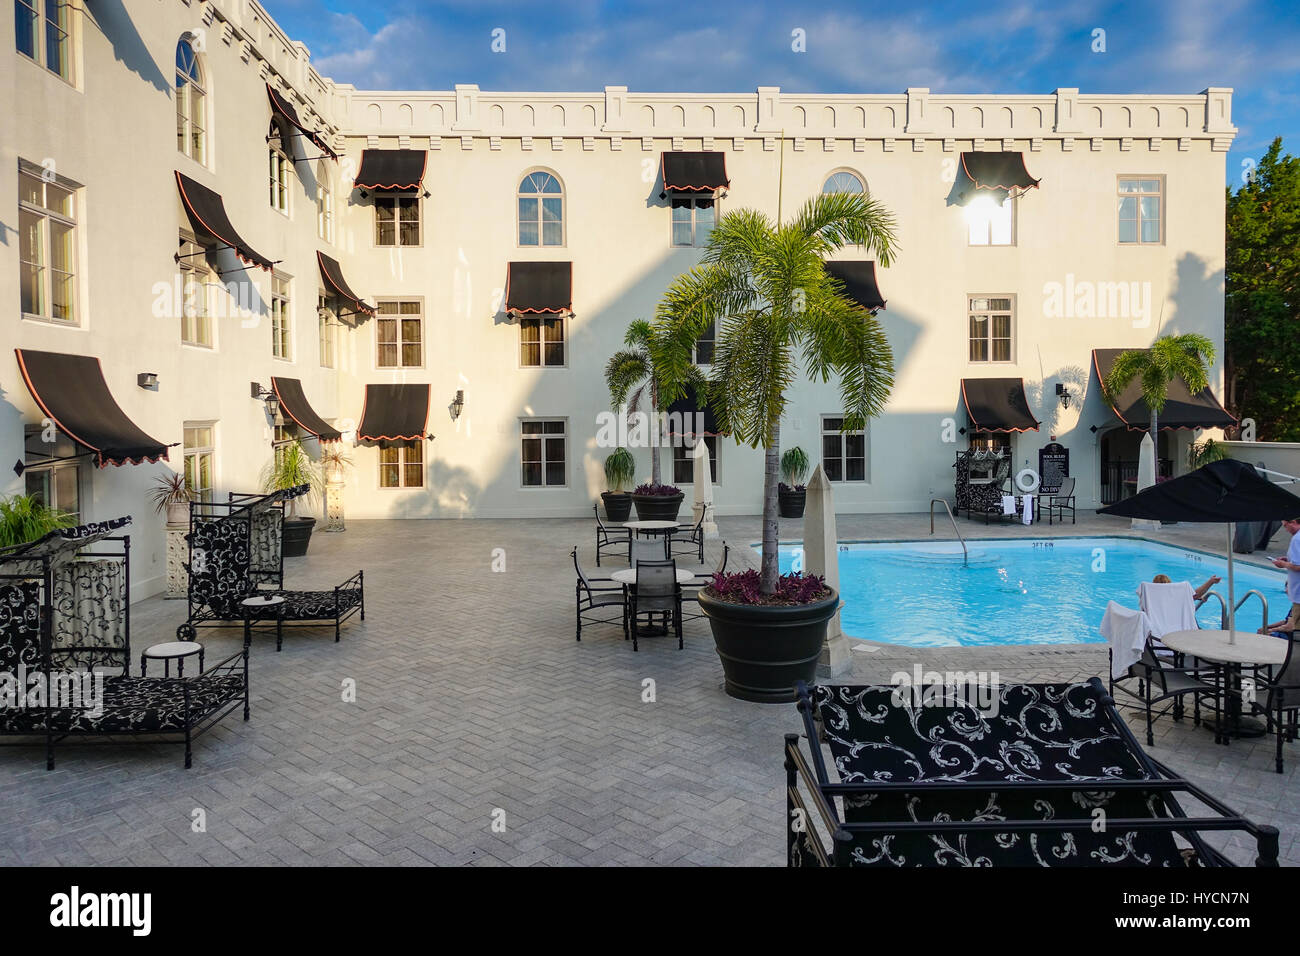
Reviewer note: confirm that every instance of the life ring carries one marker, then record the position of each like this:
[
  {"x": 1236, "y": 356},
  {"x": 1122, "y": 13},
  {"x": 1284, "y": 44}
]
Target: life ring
[{"x": 1030, "y": 486}]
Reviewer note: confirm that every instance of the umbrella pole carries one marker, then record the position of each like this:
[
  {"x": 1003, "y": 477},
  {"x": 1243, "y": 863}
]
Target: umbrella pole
[{"x": 1232, "y": 597}]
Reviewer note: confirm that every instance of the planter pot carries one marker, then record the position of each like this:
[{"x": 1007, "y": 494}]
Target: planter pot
[
  {"x": 791, "y": 503},
  {"x": 657, "y": 507},
  {"x": 618, "y": 505},
  {"x": 296, "y": 536},
  {"x": 178, "y": 513},
  {"x": 765, "y": 650}
]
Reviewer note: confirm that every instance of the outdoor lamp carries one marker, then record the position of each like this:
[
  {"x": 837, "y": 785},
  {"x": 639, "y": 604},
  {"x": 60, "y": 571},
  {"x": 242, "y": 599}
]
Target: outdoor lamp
[
  {"x": 457, "y": 403},
  {"x": 1063, "y": 394},
  {"x": 271, "y": 399},
  {"x": 147, "y": 379}
]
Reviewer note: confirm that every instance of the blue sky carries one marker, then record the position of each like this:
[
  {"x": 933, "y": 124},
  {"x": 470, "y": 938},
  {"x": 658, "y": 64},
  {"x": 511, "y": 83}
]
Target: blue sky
[{"x": 986, "y": 46}]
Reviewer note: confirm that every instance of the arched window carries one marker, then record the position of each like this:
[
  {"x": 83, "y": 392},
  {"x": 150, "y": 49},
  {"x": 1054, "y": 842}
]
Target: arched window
[
  {"x": 843, "y": 181},
  {"x": 279, "y": 146},
  {"x": 191, "y": 103},
  {"x": 324, "y": 202},
  {"x": 541, "y": 210}
]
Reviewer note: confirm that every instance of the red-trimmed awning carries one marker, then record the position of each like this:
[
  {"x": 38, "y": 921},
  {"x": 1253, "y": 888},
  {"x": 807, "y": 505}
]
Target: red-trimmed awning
[
  {"x": 539, "y": 287},
  {"x": 997, "y": 405},
  {"x": 332, "y": 273},
  {"x": 72, "y": 392},
  {"x": 859, "y": 278},
  {"x": 283, "y": 107},
  {"x": 394, "y": 413},
  {"x": 207, "y": 214},
  {"x": 1003, "y": 173},
  {"x": 1182, "y": 408},
  {"x": 293, "y": 402},
  {"x": 391, "y": 169},
  {"x": 694, "y": 172}
]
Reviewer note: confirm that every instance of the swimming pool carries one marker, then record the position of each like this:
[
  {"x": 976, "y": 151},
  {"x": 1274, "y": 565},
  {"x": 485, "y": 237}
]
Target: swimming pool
[{"x": 1019, "y": 591}]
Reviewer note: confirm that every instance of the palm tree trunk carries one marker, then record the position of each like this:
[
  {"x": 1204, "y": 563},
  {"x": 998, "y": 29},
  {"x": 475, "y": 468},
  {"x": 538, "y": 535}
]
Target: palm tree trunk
[
  {"x": 770, "y": 568},
  {"x": 655, "y": 437},
  {"x": 1155, "y": 438}
]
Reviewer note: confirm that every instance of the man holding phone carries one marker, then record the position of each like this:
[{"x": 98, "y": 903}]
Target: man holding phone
[{"x": 1291, "y": 565}]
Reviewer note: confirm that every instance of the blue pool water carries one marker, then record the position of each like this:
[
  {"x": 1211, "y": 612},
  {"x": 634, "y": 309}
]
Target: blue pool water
[{"x": 1019, "y": 591}]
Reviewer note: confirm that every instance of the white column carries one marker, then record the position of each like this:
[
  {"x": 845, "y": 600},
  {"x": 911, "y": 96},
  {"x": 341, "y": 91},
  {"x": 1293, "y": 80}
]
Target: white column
[{"x": 821, "y": 555}]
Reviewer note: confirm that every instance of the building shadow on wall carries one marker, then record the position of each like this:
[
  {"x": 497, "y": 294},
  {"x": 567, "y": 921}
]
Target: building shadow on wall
[{"x": 112, "y": 19}]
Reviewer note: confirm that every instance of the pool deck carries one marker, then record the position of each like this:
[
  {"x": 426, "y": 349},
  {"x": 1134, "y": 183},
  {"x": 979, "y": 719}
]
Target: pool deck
[{"x": 473, "y": 698}]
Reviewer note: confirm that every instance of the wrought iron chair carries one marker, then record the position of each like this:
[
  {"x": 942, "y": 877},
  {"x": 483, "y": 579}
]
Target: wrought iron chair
[
  {"x": 1281, "y": 696},
  {"x": 606, "y": 537},
  {"x": 691, "y": 536},
  {"x": 595, "y": 598},
  {"x": 1158, "y": 681},
  {"x": 645, "y": 549},
  {"x": 1060, "y": 501},
  {"x": 656, "y": 593},
  {"x": 691, "y": 591}
]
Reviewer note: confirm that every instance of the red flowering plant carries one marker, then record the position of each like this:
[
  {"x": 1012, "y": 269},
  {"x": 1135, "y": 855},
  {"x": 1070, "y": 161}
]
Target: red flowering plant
[
  {"x": 650, "y": 488},
  {"x": 745, "y": 587}
]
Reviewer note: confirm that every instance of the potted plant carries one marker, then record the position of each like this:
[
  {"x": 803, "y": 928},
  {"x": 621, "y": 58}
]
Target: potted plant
[
  {"x": 289, "y": 468},
  {"x": 791, "y": 493},
  {"x": 763, "y": 285},
  {"x": 24, "y": 518},
  {"x": 171, "y": 493},
  {"x": 656, "y": 502},
  {"x": 620, "y": 467}
]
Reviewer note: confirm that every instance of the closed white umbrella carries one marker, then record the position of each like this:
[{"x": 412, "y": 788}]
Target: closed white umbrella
[
  {"x": 821, "y": 555},
  {"x": 1146, "y": 478},
  {"x": 702, "y": 475}
]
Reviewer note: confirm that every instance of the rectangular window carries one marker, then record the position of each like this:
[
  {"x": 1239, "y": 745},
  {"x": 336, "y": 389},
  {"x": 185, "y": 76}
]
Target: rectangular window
[
  {"x": 541, "y": 342},
  {"x": 199, "y": 458},
  {"x": 399, "y": 331},
  {"x": 991, "y": 224},
  {"x": 543, "y": 453},
  {"x": 329, "y": 332},
  {"x": 844, "y": 454},
  {"x": 402, "y": 466},
  {"x": 281, "y": 319},
  {"x": 56, "y": 484},
  {"x": 397, "y": 219},
  {"x": 990, "y": 329},
  {"x": 704, "y": 346},
  {"x": 324, "y": 208},
  {"x": 279, "y": 176},
  {"x": 693, "y": 219},
  {"x": 1140, "y": 204},
  {"x": 43, "y": 34},
  {"x": 684, "y": 461},
  {"x": 47, "y": 246},
  {"x": 196, "y": 291}
]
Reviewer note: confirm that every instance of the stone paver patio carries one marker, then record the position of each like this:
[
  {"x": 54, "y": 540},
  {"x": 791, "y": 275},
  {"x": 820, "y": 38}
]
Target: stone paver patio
[{"x": 474, "y": 703}]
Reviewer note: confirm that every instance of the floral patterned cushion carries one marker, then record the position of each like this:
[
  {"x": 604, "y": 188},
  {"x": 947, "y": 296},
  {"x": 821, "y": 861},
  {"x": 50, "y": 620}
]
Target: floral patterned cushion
[
  {"x": 134, "y": 705},
  {"x": 310, "y": 605},
  {"x": 20, "y": 626}
]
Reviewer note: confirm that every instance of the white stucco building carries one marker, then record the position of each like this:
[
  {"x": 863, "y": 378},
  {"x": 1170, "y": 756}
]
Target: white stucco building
[{"x": 110, "y": 107}]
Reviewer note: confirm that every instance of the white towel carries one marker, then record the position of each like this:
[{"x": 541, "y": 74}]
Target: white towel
[
  {"x": 1028, "y": 515},
  {"x": 1126, "y": 629},
  {"x": 1169, "y": 607},
  {"x": 1008, "y": 504}
]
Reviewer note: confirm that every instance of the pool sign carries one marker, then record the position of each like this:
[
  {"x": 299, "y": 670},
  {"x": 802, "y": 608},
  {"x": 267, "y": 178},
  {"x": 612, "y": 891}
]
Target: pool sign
[{"x": 1053, "y": 466}]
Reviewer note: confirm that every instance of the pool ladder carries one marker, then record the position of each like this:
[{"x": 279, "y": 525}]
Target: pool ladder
[
  {"x": 1223, "y": 605},
  {"x": 965, "y": 555}
]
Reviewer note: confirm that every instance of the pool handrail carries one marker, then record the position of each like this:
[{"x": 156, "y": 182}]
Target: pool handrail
[
  {"x": 1223, "y": 607},
  {"x": 965, "y": 555},
  {"x": 1262, "y": 600}
]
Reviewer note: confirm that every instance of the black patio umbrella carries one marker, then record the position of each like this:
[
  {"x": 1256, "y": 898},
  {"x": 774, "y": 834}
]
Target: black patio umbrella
[{"x": 1222, "y": 492}]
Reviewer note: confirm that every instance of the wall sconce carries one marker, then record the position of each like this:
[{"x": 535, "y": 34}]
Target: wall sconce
[
  {"x": 147, "y": 380},
  {"x": 271, "y": 399},
  {"x": 457, "y": 404},
  {"x": 1063, "y": 394}
]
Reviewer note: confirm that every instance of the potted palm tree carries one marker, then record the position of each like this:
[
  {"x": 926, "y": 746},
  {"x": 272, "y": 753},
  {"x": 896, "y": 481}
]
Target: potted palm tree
[
  {"x": 620, "y": 467},
  {"x": 630, "y": 376},
  {"x": 291, "y": 467},
  {"x": 1187, "y": 356},
  {"x": 25, "y": 518},
  {"x": 763, "y": 286},
  {"x": 171, "y": 494},
  {"x": 791, "y": 493}
]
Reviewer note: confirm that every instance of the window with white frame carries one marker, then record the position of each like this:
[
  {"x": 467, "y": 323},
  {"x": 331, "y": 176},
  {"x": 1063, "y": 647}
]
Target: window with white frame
[
  {"x": 200, "y": 453},
  {"x": 196, "y": 292},
  {"x": 191, "y": 103},
  {"x": 1140, "y": 210},
  {"x": 990, "y": 223},
  {"x": 693, "y": 219},
  {"x": 702, "y": 354},
  {"x": 44, "y": 34},
  {"x": 402, "y": 466},
  {"x": 544, "y": 453},
  {"x": 990, "y": 328},
  {"x": 399, "y": 333},
  {"x": 55, "y": 484},
  {"x": 844, "y": 454},
  {"x": 843, "y": 181},
  {"x": 324, "y": 202},
  {"x": 329, "y": 332},
  {"x": 280, "y": 166},
  {"x": 47, "y": 245},
  {"x": 397, "y": 219},
  {"x": 684, "y": 460},
  {"x": 541, "y": 341},
  {"x": 281, "y": 318},
  {"x": 541, "y": 210}
]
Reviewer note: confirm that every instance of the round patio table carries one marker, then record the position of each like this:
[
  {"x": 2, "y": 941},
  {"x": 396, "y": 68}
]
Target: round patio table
[
  {"x": 653, "y": 528},
  {"x": 171, "y": 651},
  {"x": 1247, "y": 650}
]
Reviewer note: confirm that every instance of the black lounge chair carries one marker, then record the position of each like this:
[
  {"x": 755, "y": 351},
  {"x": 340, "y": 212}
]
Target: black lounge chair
[
  {"x": 235, "y": 553},
  {"x": 65, "y": 616},
  {"x": 616, "y": 538},
  {"x": 950, "y": 785},
  {"x": 596, "y": 598}
]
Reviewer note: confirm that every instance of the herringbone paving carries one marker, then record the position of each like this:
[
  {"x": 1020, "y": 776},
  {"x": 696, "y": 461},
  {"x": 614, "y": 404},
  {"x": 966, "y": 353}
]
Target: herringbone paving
[{"x": 483, "y": 734}]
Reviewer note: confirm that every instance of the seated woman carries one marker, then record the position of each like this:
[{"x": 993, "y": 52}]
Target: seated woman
[
  {"x": 1286, "y": 627},
  {"x": 1198, "y": 593}
]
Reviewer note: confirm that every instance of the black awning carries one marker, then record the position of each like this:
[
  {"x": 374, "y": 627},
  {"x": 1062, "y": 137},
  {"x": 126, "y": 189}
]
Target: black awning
[
  {"x": 697, "y": 172},
  {"x": 294, "y": 404},
  {"x": 539, "y": 287},
  {"x": 997, "y": 405},
  {"x": 391, "y": 169},
  {"x": 284, "y": 108},
  {"x": 859, "y": 278},
  {"x": 71, "y": 391},
  {"x": 332, "y": 273},
  {"x": 394, "y": 413},
  {"x": 1182, "y": 408},
  {"x": 999, "y": 172},
  {"x": 689, "y": 416},
  {"x": 207, "y": 214}
]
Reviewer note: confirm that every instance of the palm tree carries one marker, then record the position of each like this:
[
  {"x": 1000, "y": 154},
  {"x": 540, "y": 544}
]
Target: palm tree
[
  {"x": 765, "y": 286},
  {"x": 1188, "y": 356},
  {"x": 630, "y": 375}
]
